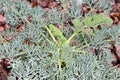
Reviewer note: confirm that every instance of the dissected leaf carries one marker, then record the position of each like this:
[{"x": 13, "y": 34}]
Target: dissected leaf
[
  {"x": 77, "y": 23},
  {"x": 58, "y": 35},
  {"x": 97, "y": 19}
]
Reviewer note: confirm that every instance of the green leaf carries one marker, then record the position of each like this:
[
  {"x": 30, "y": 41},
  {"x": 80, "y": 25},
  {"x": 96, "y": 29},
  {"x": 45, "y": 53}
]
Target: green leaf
[
  {"x": 77, "y": 23},
  {"x": 97, "y": 19},
  {"x": 58, "y": 35}
]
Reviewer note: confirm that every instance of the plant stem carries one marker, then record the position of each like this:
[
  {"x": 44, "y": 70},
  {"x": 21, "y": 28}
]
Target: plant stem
[
  {"x": 73, "y": 35},
  {"x": 59, "y": 60},
  {"x": 59, "y": 63}
]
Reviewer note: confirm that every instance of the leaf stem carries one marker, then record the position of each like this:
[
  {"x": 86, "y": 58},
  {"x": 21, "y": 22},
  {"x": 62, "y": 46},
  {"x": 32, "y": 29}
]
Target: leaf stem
[
  {"x": 51, "y": 35},
  {"x": 73, "y": 35}
]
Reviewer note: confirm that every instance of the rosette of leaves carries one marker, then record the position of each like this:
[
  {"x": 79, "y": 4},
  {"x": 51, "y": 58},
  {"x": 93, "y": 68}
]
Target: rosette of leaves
[{"x": 64, "y": 55}]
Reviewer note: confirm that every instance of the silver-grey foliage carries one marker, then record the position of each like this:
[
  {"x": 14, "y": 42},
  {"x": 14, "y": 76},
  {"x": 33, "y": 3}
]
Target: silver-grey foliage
[{"x": 40, "y": 62}]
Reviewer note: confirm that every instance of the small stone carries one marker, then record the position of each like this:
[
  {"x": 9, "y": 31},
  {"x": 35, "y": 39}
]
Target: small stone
[{"x": 1, "y": 28}]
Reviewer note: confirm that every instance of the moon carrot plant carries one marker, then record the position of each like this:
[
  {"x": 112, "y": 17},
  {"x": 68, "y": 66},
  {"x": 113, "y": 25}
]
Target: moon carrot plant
[{"x": 59, "y": 40}]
